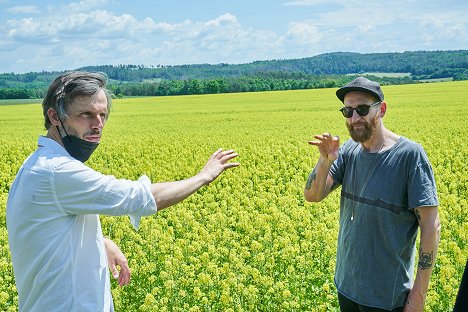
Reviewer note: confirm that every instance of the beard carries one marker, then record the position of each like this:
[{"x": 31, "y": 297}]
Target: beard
[{"x": 364, "y": 132}]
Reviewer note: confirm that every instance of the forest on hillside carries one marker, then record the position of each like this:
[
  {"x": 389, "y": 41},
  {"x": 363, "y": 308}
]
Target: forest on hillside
[{"x": 326, "y": 70}]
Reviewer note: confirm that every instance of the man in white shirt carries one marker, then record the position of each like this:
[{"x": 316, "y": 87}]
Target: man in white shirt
[{"x": 60, "y": 257}]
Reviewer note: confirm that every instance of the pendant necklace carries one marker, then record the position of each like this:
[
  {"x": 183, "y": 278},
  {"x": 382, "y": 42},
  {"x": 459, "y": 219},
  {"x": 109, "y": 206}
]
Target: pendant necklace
[{"x": 371, "y": 171}]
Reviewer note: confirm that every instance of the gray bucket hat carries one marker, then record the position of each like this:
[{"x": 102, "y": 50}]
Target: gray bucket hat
[{"x": 361, "y": 84}]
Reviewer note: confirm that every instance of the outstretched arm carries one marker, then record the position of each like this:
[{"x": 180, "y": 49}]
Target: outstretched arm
[
  {"x": 169, "y": 193},
  {"x": 429, "y": 224},
  {"x": 320, "y": 183}
]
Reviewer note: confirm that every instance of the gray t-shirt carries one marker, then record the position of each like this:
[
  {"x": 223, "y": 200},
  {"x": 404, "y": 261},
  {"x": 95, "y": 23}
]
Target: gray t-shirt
[{"x": 378, "y": 227}]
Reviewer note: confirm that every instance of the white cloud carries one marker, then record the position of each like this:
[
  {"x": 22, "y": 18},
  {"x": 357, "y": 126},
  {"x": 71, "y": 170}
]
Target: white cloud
[
  {"x": 448, "y": 23},
  {"x": 224, "y": 28},
  {"x": 444, "y": 28},
  {"x": 85, "y": 5},
  {"x": 221, "y": 39},
  {"x": 365, "y": 28},
  {"x": 302, "y": 32},
  {"x": 23, "y": 9},
  {"x": 96, "y": 24},
  {"x": 101, "y": 37},
  {"x": 30, "y": 30},
  {"x": 351, "y": 25},
  {"x": 224, "y": 19},
  {"x": 89, "y": 33}
]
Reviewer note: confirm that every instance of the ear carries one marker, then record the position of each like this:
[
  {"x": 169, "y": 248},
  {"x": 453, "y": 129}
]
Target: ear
[
  {"x": 383, "y": 109},
  {"x": 53, "y": 117}
]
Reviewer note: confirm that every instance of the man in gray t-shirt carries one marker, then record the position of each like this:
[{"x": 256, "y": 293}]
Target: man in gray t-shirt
[{"x": 388, "y": 191}]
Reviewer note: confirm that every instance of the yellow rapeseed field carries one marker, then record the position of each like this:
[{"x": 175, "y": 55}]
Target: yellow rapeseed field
[{"x": 249, "y": 241}]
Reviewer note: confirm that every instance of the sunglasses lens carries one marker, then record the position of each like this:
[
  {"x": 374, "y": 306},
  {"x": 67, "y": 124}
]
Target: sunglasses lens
[
  {"x": 363, "y": 110},
  {"x": 347, "y": 112}
]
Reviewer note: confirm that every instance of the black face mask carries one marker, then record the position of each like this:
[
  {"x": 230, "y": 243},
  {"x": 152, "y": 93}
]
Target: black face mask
[{"x": 78, "y": 148}]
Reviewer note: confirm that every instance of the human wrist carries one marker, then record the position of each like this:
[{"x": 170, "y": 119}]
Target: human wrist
[
  {"x": 416, "y": 300},
  {"x": 203, "y": 178},
  {"x": 325, "y": 161}
]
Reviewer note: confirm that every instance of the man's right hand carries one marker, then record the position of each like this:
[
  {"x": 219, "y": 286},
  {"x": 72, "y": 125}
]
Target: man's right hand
[
  {"x": 320, "y": 183},
  {"x": 328, "y": 145}
]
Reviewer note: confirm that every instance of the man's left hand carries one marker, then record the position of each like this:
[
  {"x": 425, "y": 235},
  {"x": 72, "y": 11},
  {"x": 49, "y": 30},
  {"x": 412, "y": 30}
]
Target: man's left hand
[
  {"x": 115, "y": 258},
  {"x": 217, "y": 163}
]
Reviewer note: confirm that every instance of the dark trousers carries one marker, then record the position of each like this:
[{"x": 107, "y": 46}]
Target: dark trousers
[
  {"x": 461, "y": 304},
  {"x": 348, "y": 305}
]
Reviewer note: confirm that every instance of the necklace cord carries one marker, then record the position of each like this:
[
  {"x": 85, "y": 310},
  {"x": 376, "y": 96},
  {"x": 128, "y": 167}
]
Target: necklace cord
[{"x": 371, "y": 171}]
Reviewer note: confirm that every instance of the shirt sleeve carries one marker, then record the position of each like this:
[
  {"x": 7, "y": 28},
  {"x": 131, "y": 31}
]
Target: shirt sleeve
[
  {"x": 421, "y": 183},
  {"x": 337, "y": 169},
  {"x": 80, "y": 190}
]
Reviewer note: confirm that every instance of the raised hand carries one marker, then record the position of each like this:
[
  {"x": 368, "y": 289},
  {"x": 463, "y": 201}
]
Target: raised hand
[
  {"x": 328, "y": 145},
  {"x": 217, "y": 163}
]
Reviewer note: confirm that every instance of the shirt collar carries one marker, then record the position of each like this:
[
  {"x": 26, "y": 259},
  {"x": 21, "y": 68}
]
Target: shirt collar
[{"x": 52, "y": 144}]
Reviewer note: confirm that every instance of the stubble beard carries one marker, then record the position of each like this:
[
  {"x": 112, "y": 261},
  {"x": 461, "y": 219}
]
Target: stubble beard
[{"x": 73, "y": 132}]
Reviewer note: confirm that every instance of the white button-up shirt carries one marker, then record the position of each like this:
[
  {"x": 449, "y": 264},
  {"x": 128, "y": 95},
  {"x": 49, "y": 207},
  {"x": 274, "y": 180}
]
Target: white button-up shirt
[{"x": 54, "y": 232}]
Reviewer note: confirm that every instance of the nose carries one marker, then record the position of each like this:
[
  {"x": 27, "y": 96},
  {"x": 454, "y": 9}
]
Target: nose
[
  {"x": 355, "y": 117},
  {"x": 98, "y": 122}
]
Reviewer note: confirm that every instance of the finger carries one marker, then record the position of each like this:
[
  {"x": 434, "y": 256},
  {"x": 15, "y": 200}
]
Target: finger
[
  {"x": 124, "y": 278},
  {"x": 327, "y": 136},
  {"x": 121, "y": 279},
  {"x": 336, "y": 138},
  {"x": 114, "y": 271},
  {"x": 222, "y": 154},
  {"x": 314, "y": 142},
  {"x": 228, "y": 157},
  {"x": 323, "y": 137},
  {"x": 230, "y": 165},
  {"x": 216, "y": 153}
]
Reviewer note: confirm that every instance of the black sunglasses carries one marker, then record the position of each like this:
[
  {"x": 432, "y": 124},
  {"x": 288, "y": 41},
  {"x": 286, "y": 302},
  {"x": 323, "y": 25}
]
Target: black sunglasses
[{"x": 362, "y": 109}]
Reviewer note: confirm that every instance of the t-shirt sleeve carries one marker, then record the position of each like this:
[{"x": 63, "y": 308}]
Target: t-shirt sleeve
[
  {"x": 337, "y": 169},
  {"x": 79, "y": 189},
  {"x": 422, "y": 189}
]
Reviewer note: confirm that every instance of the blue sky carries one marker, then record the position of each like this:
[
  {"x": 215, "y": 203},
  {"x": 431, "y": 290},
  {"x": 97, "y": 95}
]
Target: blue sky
[{"x": 62, "y": 35}]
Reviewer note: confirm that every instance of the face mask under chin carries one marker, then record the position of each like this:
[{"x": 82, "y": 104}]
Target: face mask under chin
[{"x": 78, "y": 148}]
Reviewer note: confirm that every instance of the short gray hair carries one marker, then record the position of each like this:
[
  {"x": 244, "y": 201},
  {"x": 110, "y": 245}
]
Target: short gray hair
[{"x": 67, "y": 86}]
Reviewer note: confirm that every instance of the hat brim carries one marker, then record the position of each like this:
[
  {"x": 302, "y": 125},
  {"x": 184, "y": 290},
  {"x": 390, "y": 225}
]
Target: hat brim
[{"x": 340, "y": 93}]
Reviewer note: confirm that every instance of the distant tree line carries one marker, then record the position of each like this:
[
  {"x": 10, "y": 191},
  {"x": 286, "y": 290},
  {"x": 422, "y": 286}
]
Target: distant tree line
[
  {"x": 420, "y": 64},
  {"x": 326, "y": 70},
  {"x": 254, "y": 83},
  {"x": 22, "y": 93}
]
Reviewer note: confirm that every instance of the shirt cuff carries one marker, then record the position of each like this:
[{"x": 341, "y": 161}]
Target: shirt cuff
[{"x": 149, "y": 208}]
